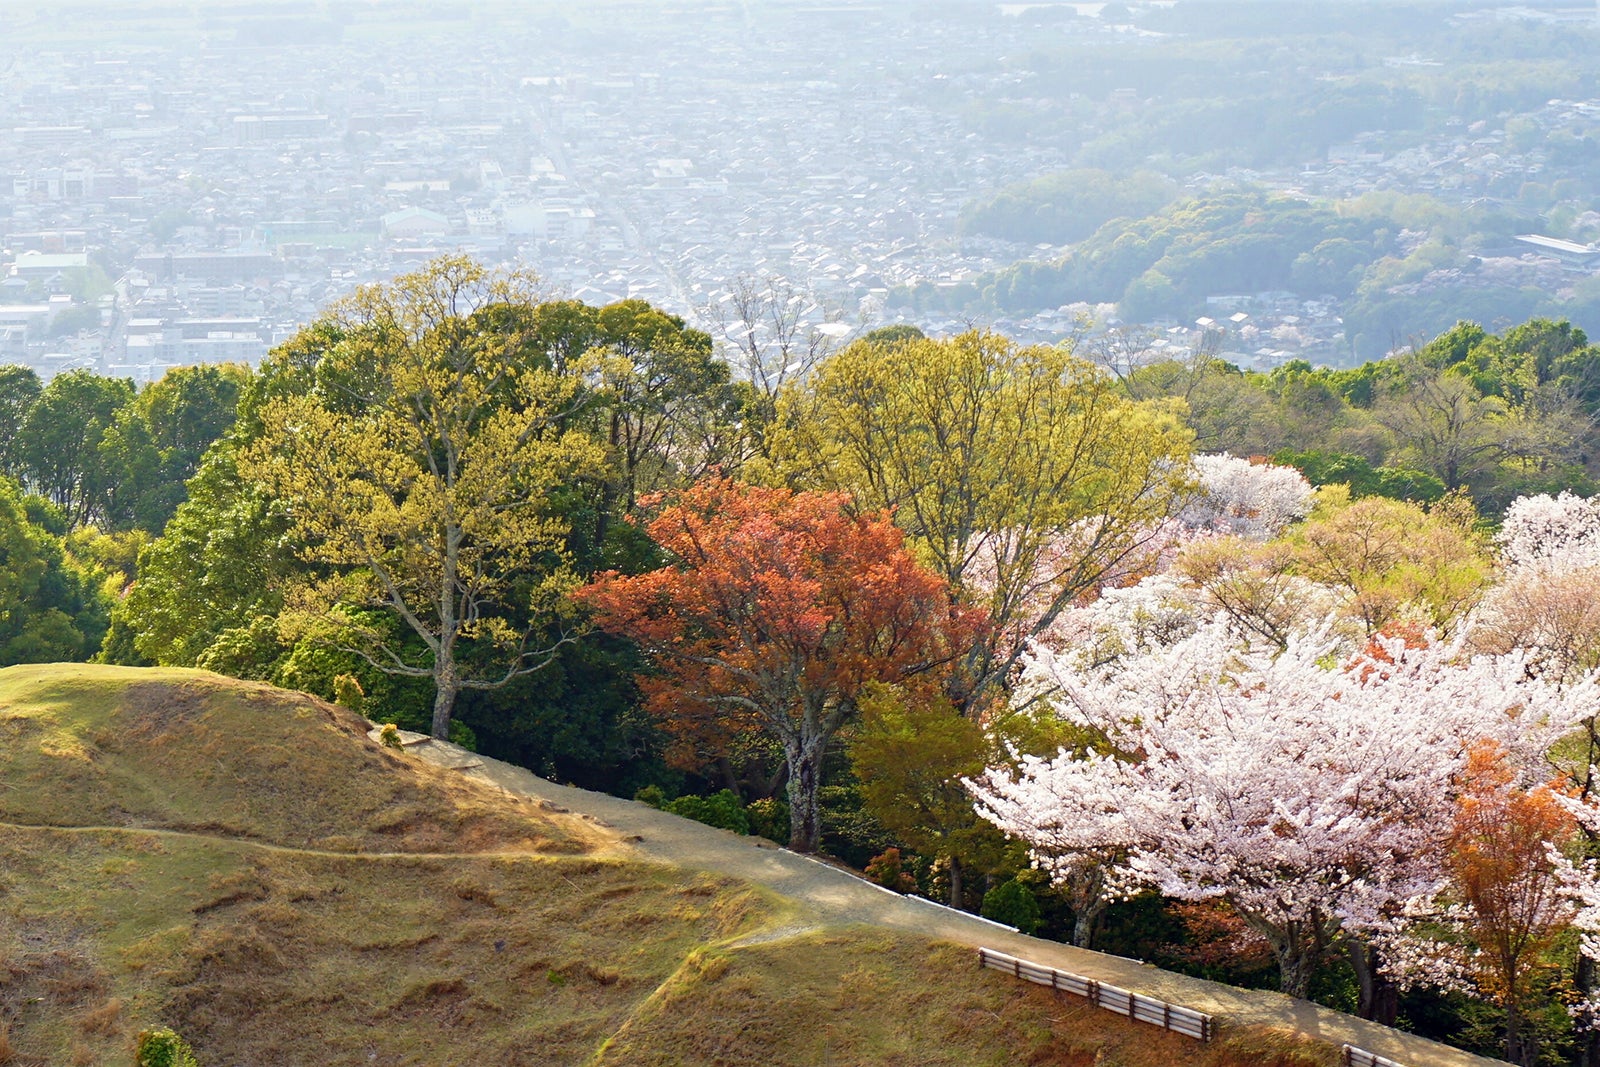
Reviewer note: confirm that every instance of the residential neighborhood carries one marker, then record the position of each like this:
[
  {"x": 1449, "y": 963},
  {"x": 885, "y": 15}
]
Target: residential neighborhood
[{"x": 200, "y": 191}]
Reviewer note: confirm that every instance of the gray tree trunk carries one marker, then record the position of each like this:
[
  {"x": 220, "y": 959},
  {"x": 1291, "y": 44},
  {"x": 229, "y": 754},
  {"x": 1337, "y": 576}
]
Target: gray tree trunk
[
  {"x": 446, "y": 684},
  {"x": 805, "y": 779}
]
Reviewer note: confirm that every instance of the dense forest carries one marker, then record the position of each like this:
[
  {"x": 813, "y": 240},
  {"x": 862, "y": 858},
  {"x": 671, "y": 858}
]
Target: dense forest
[{"x": 895, "y": 603}]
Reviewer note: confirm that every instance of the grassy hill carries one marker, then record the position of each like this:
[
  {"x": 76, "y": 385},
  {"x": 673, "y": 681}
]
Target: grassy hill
[{"x": 242, "y": 864}]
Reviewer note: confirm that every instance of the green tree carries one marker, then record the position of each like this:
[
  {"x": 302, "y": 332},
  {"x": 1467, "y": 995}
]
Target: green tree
[
  {"x": 667, "y": 404},
  {"x": 156, "y": 442},
  {"x": 49, "y": 610},
  {"x": 19, "y": 389},
  {"x": 60, "y": 442},
  {"x": 214, "y": 575},
  {"x": 1025, "y": 476},
  {"x": 1449, "y": 428},
  {"x": 910, "y": 756},
  {"x": 420, "y": 480},
  {"x": 1392, "y": 557}
]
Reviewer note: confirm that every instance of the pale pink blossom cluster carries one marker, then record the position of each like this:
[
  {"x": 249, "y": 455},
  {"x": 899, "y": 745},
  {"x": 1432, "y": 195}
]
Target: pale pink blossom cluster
[
  {"x": 1547, "y": 601},
  {"x": 1027, "y": 574},
  {"x": 1246, "y": 499},
  {"x": 1309, "y": 790},
  {"x": 1581, "y": 885},
  {"x": 1021, "y": 577},
  {"x": 1551, "y": 531},
  {"x": 1158, "y": 610}
]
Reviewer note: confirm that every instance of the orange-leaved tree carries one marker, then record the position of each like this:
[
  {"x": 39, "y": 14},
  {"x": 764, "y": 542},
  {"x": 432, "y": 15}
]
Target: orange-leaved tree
[
  {"x": 1502, "y": 869},
  {"x": 775, "y": 610}
]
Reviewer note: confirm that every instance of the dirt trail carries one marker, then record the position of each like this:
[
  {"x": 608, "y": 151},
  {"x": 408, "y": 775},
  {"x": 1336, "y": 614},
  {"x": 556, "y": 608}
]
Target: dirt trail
[{"x": 825, "y": 895}]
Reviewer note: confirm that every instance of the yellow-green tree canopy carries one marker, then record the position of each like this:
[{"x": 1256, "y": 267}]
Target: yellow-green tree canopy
[
  {"x": 417, "y": 475},
  {"x": 1024, "y": 475}
]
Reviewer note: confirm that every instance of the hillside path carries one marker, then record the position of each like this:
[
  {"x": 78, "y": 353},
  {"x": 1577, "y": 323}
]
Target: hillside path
[{"x": 831, "y": 896}]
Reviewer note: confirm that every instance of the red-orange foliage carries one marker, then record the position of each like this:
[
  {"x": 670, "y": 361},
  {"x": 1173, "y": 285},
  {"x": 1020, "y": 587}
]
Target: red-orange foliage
[
  {"x": 1219, "y": 939},
  {"x": 1412, "y": 635},
  {"x": 777, "y": 608},
  {"x": 1502, "y": 871}
]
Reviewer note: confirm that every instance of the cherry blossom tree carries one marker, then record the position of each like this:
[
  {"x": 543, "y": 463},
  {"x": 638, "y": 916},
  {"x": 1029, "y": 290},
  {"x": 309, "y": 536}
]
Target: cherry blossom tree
[
  {"x": 1581, "y": 886},
  {"x": 1308, "y": 796},
  {"x": 1549, "y": 611},
  {"x": 1543, "y": 530},
  {"x": 1547, "y": 605},
  {"x": 1232, "y": 500},
  {"x": 1245, "y": 498},
  {"x": 1547, "y": 601}
]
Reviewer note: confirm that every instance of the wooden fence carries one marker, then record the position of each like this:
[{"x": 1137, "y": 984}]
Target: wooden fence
[
  {"x": 1350, "y": 1056},
  {"x": 1145, "y": 1009}
]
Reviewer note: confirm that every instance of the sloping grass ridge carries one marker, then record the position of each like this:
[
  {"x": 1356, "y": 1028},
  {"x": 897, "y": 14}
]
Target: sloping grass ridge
[{"x": 242, "y": 864}]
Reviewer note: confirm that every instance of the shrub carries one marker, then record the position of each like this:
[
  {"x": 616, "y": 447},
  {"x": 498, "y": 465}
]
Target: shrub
[
  {"x": 769, "y": 818},
  {"x": 389, "y": 736},
  {"x": 722, "y": 810},
  {"x": 1014, "y": 904},
  {"x": 651, "y": 795},
  {"x": 888, "y": 870},
  {"x": 162, "y": 1047},
  {"x": 347, "y": 692}
]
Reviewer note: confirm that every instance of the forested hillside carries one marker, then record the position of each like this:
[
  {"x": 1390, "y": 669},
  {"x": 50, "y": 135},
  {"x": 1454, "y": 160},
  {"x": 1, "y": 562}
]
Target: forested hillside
[
  {"x": 1363, "y": 167},
  {"x": 1400, "y": 268},
  {"x": 986, "y": 621}
]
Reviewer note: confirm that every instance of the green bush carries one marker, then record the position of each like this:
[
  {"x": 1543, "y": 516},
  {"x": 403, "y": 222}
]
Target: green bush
[
  {"x": 162, "y": 1047},
  {"x": 347, "y": 692},
  {"x": 723, "y": 810},
  {"x": 1014, "y": 904},
  {"x": 651, "y": 795},
  {"x": 769, "y": 818},
  {"x": 461, "y": 734}
]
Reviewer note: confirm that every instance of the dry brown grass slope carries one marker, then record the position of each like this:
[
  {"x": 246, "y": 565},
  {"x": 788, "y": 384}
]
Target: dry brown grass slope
[{"x": 244, "y": 865}]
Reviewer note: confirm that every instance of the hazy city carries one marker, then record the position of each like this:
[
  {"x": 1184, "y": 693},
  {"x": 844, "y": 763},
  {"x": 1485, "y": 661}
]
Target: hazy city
[{"x": 192, "y": 182}]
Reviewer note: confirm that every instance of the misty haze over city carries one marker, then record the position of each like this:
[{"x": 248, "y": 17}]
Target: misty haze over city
[{"x": 192, "y": 182}]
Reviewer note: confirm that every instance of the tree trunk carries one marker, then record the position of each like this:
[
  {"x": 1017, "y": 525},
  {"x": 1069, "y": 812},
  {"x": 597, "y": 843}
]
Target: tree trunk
[
  {"x": 1297, "y": 948},
  {"x": 955, "y": 884},
  {"x": 730, "y": 779},
  {"x": 1588, "y": 1036},
  {"x": 1085, "y": 922},
  {"x": 1520, "y": 1048},
  {"x": 1379, "y": 998},
  {"x": 446, "y": 684},
  {"x": 1088, "y": 900},
  {"x": 805, "y": 779},
  {"x": 1294, "y": 972}
]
